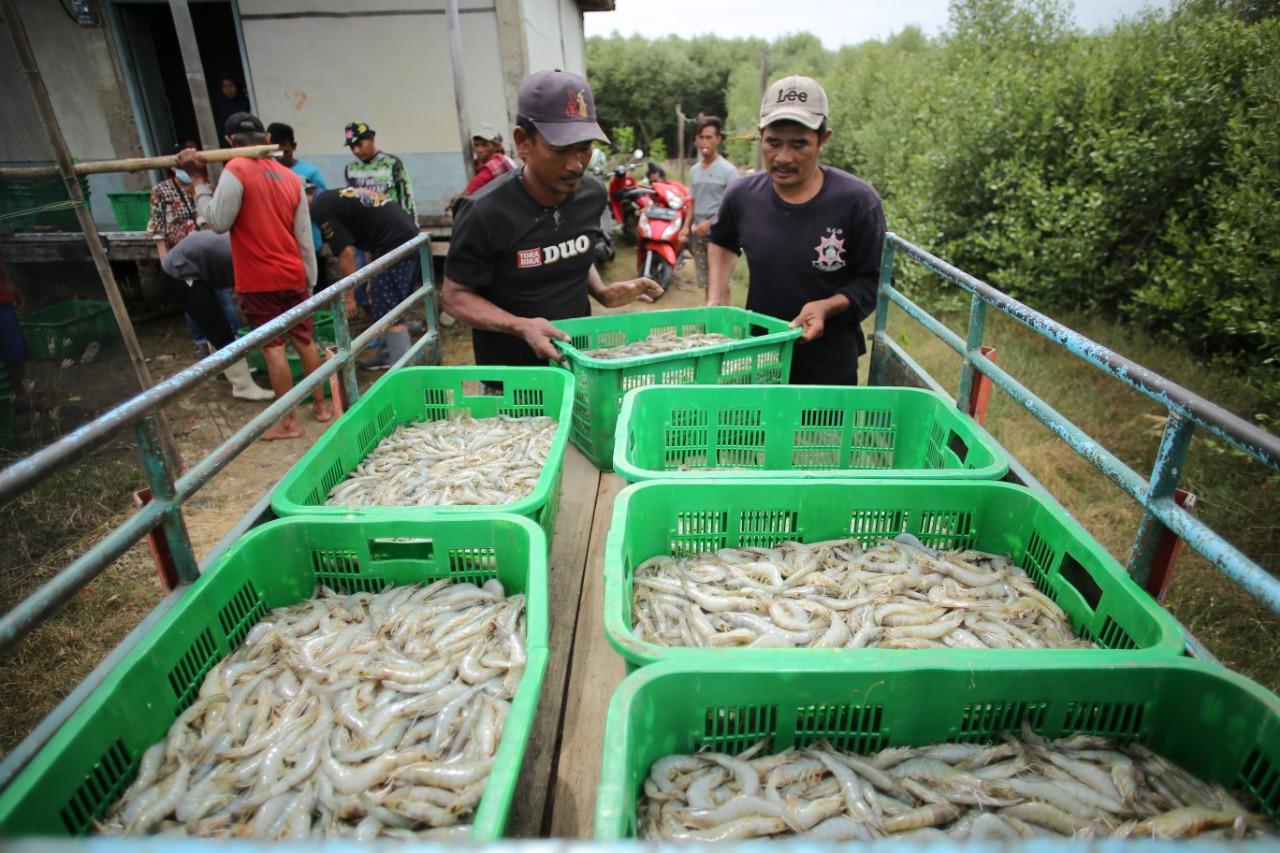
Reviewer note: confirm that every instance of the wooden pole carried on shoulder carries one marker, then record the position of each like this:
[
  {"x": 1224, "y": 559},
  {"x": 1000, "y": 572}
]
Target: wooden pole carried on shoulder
[{"x": 136, "y": 164}]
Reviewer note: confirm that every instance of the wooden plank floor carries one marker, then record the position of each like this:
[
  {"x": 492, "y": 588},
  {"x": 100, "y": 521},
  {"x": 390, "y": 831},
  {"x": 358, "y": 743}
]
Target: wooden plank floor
[{"x": 556, "y": 793}]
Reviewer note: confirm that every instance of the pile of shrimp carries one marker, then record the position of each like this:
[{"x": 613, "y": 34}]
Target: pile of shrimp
[
  {"x": 1020, "y": 788},
  {"x": 358, "y": 716}
]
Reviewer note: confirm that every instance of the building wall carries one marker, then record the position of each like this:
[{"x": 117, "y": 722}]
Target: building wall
[
  {"x": 86, "y": 86},
  {"x": 553, "y": 33},
  {"x": 318, "y": 64}
]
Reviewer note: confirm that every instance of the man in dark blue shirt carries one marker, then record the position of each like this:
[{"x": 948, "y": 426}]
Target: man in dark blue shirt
[{"x": 812, "y": 235}]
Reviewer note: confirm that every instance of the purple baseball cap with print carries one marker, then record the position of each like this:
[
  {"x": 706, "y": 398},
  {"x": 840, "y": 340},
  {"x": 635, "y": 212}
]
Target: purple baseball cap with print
[{"x": 561, "y": 107}]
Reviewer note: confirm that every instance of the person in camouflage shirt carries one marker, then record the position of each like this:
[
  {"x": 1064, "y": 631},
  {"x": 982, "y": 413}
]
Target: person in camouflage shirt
[{"x": 376, "y": 170}]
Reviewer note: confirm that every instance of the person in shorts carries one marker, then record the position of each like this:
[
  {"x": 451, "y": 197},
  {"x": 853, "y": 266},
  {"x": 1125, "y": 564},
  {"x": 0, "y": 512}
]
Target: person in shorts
[
  {"x": 263, "y": 206},
  {"x": 349, "y": 220}
]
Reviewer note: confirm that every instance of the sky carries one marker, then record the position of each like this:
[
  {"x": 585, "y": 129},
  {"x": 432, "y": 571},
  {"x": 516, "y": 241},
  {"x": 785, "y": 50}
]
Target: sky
[{"x": 836, "y": 22}]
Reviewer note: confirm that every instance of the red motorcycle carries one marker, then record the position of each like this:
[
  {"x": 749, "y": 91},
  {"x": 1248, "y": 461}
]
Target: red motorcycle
[
  {"x": 663, "y": 208},
  {"x": 623, "y": 192}
]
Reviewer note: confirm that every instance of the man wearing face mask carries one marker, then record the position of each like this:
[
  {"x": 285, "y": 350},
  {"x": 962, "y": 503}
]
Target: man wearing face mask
[
  {"x": 812, "y": 235},
  {"x": 521, "y": 253}
]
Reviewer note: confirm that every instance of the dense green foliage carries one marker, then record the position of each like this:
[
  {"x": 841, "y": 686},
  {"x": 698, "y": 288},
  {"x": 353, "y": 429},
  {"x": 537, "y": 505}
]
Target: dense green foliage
[{"x": 1132, "y": 172}]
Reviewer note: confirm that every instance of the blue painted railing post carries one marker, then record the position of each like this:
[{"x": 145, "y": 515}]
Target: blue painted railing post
[
  {"x": 342, "y": 339},
  {"x": 1170, "y": 459},
  {"x": 973, "y": 347},
  {"x": 430, "y": 306},
  {"x": 160, "y": 478},
  {"x": 875, "y": 375}
]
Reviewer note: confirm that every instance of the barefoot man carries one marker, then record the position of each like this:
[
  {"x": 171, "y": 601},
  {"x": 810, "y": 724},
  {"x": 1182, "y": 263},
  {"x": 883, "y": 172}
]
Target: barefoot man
[{"x": 264, "y": 207}]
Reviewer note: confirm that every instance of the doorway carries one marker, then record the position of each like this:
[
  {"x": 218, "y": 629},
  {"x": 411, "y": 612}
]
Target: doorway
[{"x": 158, "y": 77}]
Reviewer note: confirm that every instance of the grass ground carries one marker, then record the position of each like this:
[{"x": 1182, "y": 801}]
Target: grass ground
[{"x": 1238, "y": 497}]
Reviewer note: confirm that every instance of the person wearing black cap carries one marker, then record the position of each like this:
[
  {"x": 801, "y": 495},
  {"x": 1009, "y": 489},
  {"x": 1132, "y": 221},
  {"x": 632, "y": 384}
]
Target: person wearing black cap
[
  {"x": 521, "y": 254},
  {"x": 377, "y": 170},
  {"x": 264, "y": 208},
  {"x": 812, "y": 235}
]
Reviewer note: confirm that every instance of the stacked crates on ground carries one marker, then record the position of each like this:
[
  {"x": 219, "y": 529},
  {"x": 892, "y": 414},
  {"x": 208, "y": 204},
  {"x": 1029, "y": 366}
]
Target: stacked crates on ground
[{"x": 716, "y": 467}]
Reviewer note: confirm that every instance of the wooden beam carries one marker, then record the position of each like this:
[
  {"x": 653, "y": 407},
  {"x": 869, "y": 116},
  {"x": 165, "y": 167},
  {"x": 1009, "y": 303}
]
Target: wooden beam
[
  {"x": 459, "y": 83},
  {"x": 210, "y": 135},
  {"x": 595, "y": 670},
  {"x": 581, "y": 481},
  {"x": 138, "y": 164}
]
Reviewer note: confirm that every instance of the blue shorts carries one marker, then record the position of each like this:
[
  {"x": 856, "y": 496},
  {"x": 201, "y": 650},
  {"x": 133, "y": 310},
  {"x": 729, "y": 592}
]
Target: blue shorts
[
  {"x": 391, "y": 287},
  {"x": 13, "y": 347}
]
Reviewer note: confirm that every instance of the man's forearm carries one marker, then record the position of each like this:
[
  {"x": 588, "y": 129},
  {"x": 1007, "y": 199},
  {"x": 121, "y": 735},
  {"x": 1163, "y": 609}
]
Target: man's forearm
[
  {"x": 220, "y": 206},
  {"x": 720, "y": 263},
  {"x": 476, "y": 311}
]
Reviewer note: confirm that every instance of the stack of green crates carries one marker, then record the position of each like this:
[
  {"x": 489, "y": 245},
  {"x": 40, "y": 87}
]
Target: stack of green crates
[
  {"x": 761, "y": 354},
  {"x": 85, "y": 767},
  {"x": 701, "y": 432},
  {"x": 715, "y": 467},
  {"x": 24, "y": 196},
  {"x": 65, "y": 329},
  {"x": 415, "y": 394},
  {"x": 132, "y": 210}
]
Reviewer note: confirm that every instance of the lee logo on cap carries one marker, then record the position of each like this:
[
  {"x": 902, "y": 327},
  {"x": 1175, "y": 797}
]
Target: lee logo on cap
[{"x": 785, "y": 95}]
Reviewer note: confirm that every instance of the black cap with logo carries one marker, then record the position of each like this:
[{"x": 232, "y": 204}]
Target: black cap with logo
[{"x": 561, "y": 107}]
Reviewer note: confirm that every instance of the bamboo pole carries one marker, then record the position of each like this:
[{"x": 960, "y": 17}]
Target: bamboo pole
[
  {"x": 137, "y": 164},
  {"x": 27, "y": 61}
]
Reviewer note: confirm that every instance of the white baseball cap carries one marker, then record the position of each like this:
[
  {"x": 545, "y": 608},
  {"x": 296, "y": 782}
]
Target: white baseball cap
[{"x": 794, "y": 98}]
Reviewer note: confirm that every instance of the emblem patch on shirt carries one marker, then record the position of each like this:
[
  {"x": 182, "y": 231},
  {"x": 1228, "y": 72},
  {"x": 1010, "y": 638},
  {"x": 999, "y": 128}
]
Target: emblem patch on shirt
[
  {"x": 830, "y": 251},
  {"x": 526, "y": 258}
]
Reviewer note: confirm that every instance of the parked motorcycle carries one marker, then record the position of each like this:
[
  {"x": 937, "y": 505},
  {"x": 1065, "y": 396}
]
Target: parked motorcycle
[
  {"x": 623, "y": 192},
  {"x": 662, "y": 210}
]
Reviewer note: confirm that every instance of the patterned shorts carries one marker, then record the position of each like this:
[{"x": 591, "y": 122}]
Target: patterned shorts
[{"x": 391, "y": 287}]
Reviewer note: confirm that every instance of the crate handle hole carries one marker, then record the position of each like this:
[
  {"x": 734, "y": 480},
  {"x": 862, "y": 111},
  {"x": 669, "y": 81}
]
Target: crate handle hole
[
  {"x": 756, "y": 331},
  {"x": 1078, "y": 576},
  {"x": 957, "y": 445},
  {"x": 402, "y": 548}
]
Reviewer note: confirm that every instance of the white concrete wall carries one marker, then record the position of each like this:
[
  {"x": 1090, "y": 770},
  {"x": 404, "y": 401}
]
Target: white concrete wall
[
  {"x": 89, "y": 98},
  {"x": 392, "y": 71},
  {"x": 553, "y": 31}
]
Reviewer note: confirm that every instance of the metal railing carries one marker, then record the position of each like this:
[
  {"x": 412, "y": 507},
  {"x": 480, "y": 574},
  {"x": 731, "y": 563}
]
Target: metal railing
[
  {"x": 1186, "y": 411},
  {"x": 170, "y": 490}
]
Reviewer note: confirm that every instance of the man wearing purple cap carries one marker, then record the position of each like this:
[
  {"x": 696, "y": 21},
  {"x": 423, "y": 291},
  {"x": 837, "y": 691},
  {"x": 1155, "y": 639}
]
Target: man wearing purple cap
[
  {"x": 521, "y": 251},
  {"x": 812, "y": 235}
]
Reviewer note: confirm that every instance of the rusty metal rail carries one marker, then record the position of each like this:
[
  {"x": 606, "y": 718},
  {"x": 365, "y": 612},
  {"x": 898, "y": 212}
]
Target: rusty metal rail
[
  {"x": 1186, "y": 411},
  {"x": 169, "y": 490}
]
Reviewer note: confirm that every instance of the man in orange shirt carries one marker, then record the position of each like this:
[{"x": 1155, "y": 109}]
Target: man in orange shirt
[{"x": 263, "y": 205}]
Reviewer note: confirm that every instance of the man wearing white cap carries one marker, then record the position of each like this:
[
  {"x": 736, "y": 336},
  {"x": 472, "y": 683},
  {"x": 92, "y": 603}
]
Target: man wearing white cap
[
  {"x": 812, "y": 235},
  {"x": 521, "y": 253}
]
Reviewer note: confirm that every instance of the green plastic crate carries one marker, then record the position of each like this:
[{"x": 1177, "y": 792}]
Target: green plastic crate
[
  {"x": 132, "y": 210},
  {"x": 94, "y": 756},
  {"x": 809, "y": 431},
  {"x": 322, "y": 334},
  {"x": 26, "y": 195},
  {"x": 1214, "y": 723},
  {"x": 761, "y": 357},
  {"x": 430, "y": 393},
  {"x": 65, "y": 329},
  {"x": 1066, "y": 563}
]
